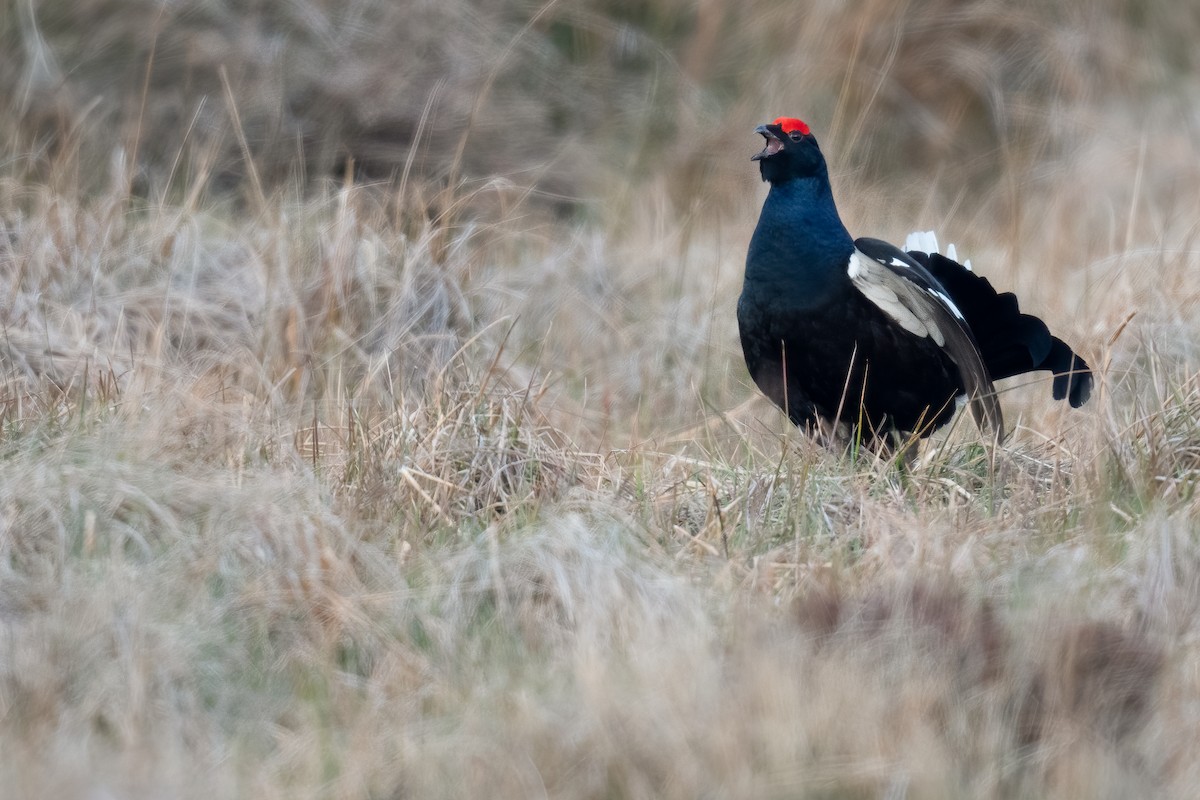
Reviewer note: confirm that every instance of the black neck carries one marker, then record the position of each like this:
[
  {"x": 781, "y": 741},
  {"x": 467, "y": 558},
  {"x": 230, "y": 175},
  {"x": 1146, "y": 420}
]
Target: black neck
[{"x": 800, "y": 238}]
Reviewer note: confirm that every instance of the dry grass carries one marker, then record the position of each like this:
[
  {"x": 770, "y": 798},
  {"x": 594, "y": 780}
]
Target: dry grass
[{"x": 450, "y": 482}]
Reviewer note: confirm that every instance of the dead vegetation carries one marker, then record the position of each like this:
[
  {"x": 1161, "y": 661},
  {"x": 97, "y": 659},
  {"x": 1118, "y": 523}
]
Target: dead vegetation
[{"x": 441, "y": 477}]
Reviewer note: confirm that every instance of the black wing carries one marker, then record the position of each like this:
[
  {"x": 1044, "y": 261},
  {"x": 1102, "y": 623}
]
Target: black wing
[{"x": 914, "y": 299}]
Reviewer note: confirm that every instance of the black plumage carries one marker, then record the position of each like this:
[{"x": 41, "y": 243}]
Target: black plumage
[{"x": 858, "y": 332}]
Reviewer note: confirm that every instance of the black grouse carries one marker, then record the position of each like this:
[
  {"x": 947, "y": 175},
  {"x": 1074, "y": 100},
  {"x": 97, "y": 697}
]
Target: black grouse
[{"x": 859, "y": 335}]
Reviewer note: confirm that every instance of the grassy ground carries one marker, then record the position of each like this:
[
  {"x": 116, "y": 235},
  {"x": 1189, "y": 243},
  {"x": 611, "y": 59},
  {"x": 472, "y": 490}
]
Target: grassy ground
[{"x": 346, "y": 455}]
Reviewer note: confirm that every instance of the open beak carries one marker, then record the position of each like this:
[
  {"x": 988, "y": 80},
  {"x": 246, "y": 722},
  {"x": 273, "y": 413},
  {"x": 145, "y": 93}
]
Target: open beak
[{"x": 774, "y": 136}]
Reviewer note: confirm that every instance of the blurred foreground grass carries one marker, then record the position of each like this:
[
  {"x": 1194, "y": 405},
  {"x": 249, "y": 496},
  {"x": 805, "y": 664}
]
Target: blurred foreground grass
[{"x": 373, "y": 423}]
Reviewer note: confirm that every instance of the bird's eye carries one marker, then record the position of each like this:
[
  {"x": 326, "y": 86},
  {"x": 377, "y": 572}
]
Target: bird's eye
[{"x": 795, "y": 136}]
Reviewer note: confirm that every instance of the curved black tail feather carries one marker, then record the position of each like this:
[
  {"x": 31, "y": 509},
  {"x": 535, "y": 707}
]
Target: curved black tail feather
[{"x": 1012, "y": 343}]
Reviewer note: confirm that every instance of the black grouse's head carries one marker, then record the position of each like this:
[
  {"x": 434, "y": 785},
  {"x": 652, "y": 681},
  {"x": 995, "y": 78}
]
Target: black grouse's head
[{"x": 791, "y": 152}]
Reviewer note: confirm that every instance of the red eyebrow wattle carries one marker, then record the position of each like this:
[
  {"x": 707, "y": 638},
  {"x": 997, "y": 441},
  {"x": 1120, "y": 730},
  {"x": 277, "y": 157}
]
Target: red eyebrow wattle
[{"x": 790, "y": 124}]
